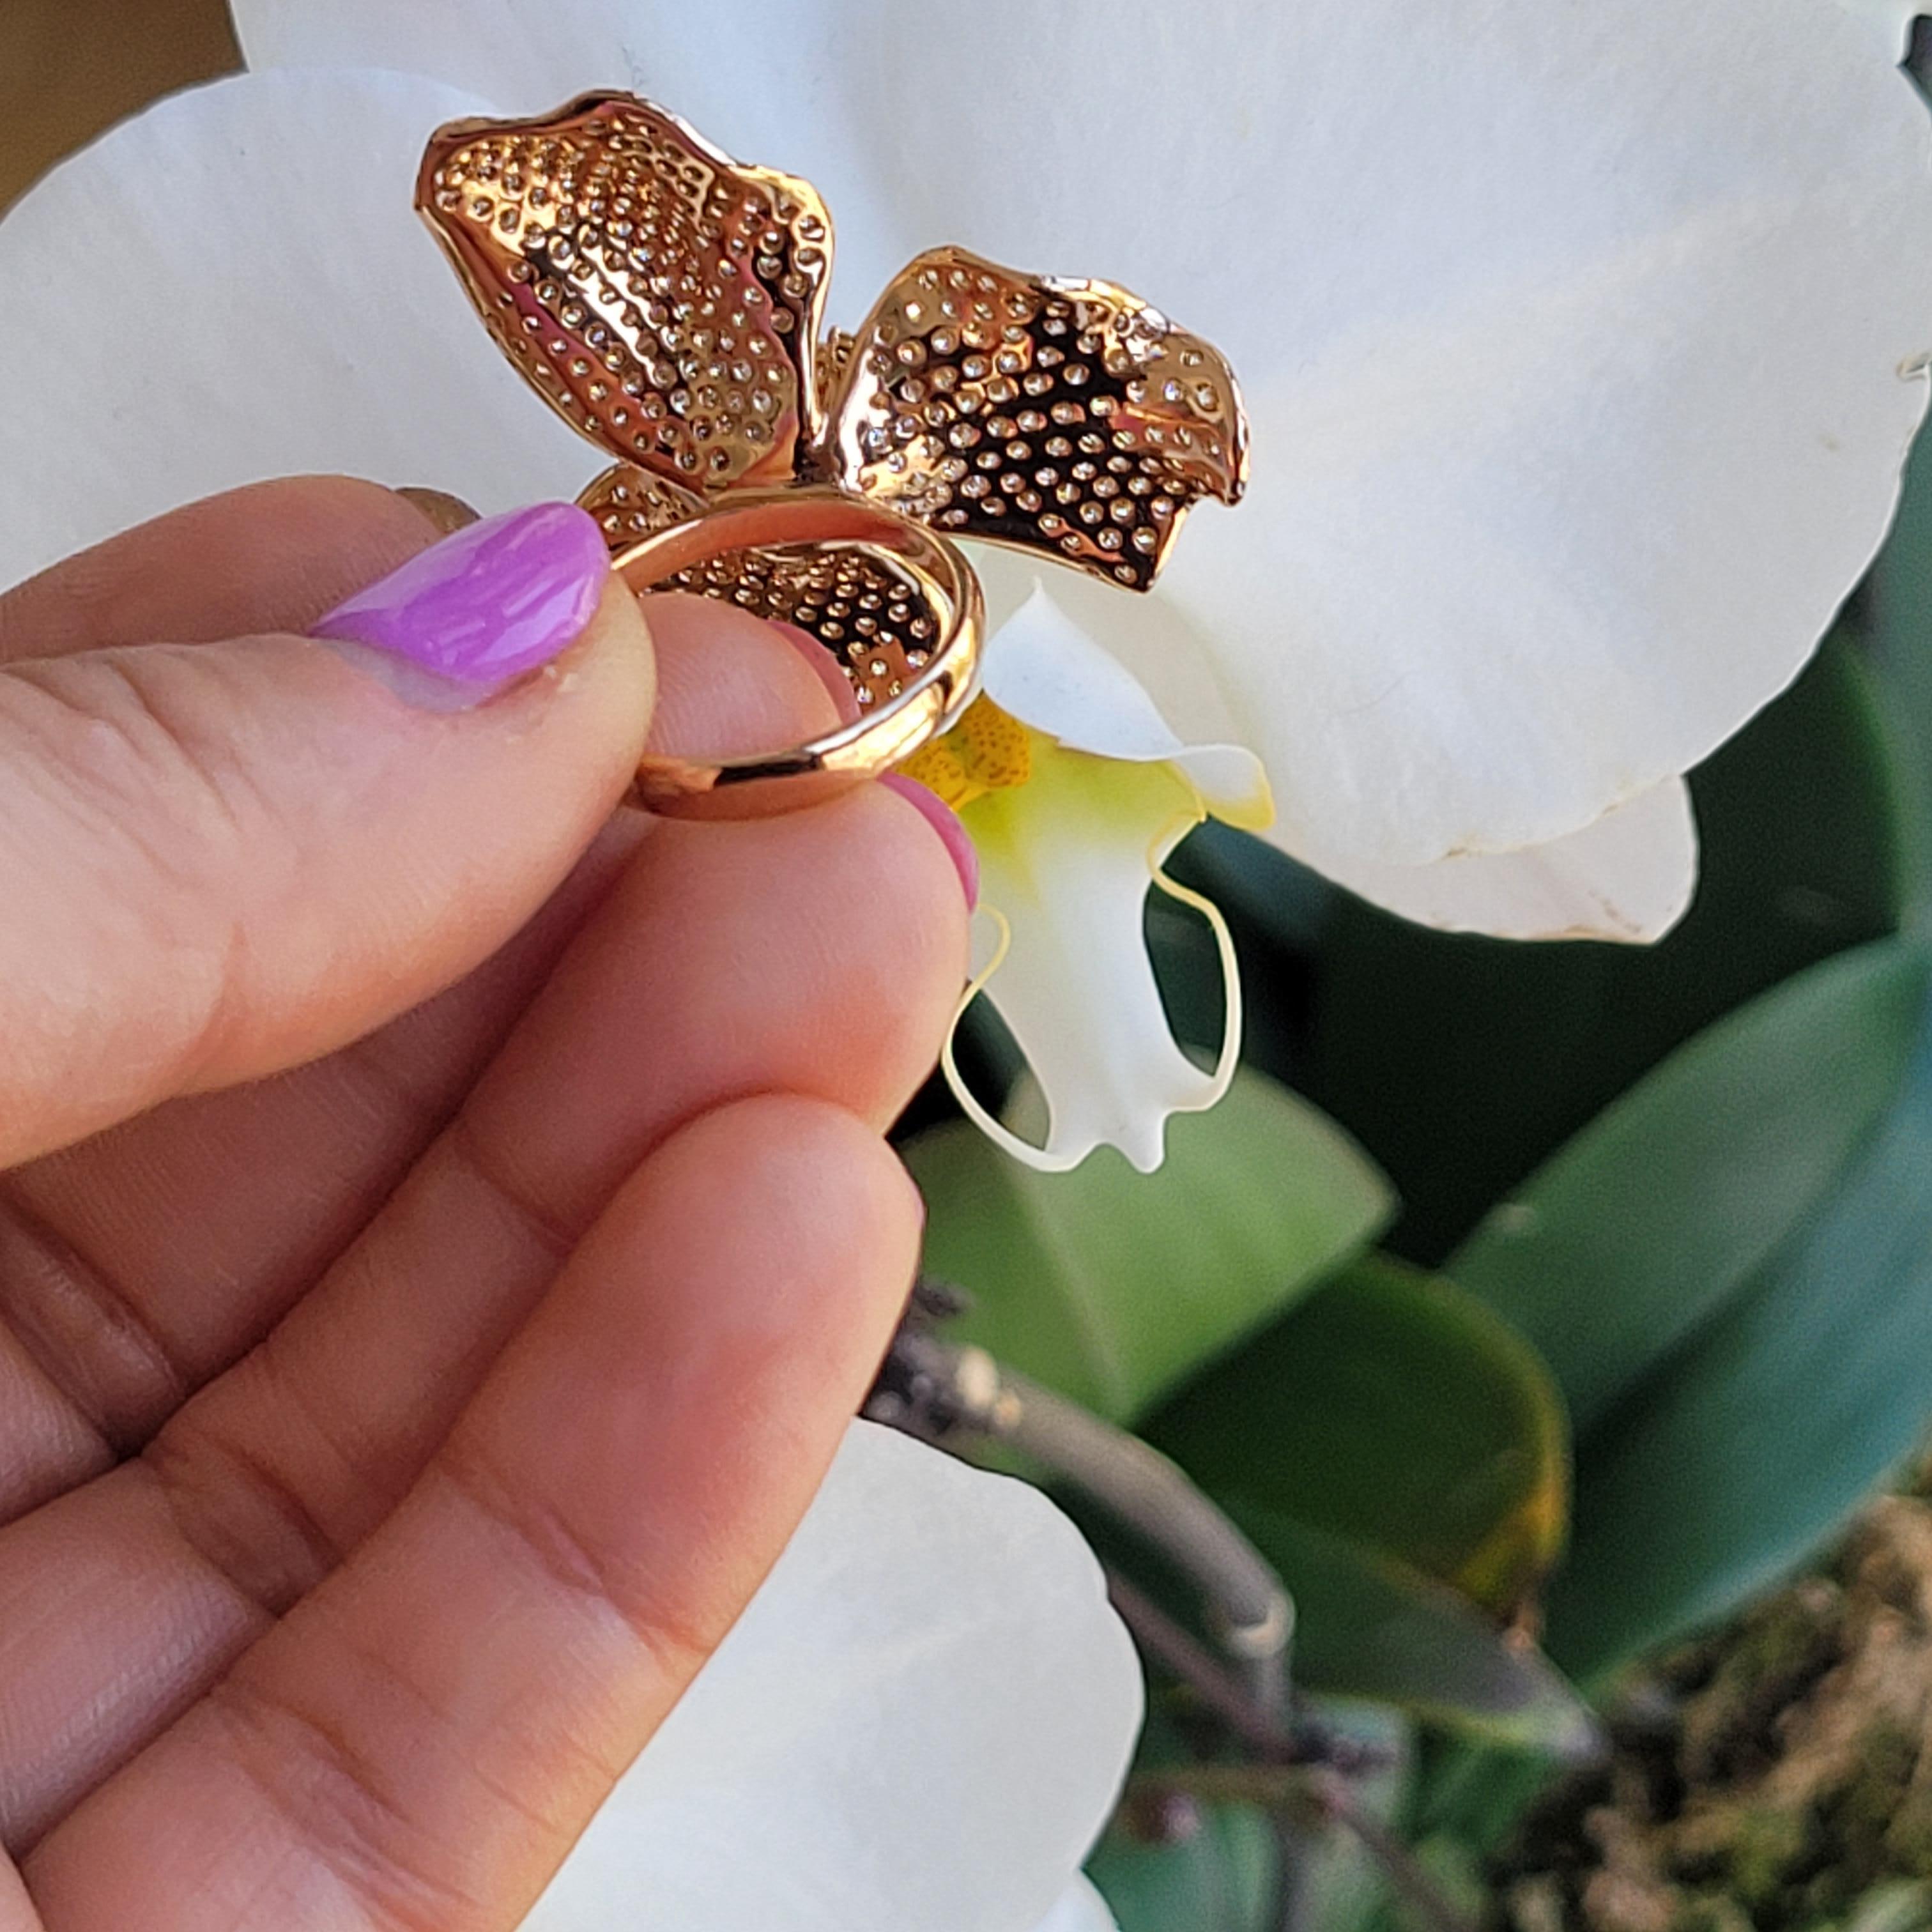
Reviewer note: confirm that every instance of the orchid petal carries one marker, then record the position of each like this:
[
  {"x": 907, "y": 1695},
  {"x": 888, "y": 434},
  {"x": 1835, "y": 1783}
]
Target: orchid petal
[
  {"x": 1065, "y": 860},
  {"x": 1081, "y": 1909},
  {"x": 1581, "y": 347},
  {"x": 923, "y": 1719},
  {"x": 524, "y": 57},
  {"x": 1066, "y": 857},
  {"x": 1630, "y": 877},
  {"x": 1048, "y": 673},
  {"x": 233, "y": 286},
  {"x": 1890, "y": 20}
]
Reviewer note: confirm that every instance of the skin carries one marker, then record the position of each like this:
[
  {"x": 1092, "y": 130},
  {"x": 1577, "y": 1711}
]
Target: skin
[{"x": 445, "y": 1227}]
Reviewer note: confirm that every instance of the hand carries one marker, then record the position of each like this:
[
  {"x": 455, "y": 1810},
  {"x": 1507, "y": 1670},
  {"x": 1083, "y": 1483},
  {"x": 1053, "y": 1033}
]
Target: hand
[{"x": 447, "y": 1228}]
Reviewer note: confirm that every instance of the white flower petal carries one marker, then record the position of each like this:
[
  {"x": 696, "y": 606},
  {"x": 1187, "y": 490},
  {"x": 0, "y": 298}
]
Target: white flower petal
[
  {"x": 1573, "y": 338},
  {"x": 234, "y": 286},
  {"x": 1629, "y": 876},
  {"x": 1890, "y": 20},
  {"x": 1082, "y": 1909},
  {"x": 525, "y": 57},
  {"x": 1065, "y": 860},
  {"x": 922, "y": 1720},
  {"x": 1043, "y": 668}
]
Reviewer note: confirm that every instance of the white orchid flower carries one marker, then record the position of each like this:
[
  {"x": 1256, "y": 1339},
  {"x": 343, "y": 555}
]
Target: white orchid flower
[
  {"x": 1082, "y": 1909},
  {"x": 922, "y": 1720},
  {"x": 1074, "y": 792},
  {"x": 1890, "y": 20},
  {"x": 1581, "y": 352}
]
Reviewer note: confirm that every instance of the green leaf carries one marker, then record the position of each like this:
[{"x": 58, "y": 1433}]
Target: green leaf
[
  {"x": 1339, "y": 1885},
  {"x": 1110, "y": 1286},
  {"x": 1222, "y": 1879},
  {"x": 1461, "y": 1063},
  {"x": 1646, "y": 1222},
  {"x": 1393, "y": 1410},
  {"x": 1893, "y": 613},
  {"x": 1743, "y": 1452},
  {"x": 1388, "y": 1433},
  {"x": 1276, "y": 909},
  {"x": 1472, "y": 1792},
  {"x": 1367, "y": 1626}
]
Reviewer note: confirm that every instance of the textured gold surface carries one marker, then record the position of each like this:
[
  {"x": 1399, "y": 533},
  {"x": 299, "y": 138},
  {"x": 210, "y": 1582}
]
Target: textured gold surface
[
  {"x": 666, "y": 302},
  {"x": 870, "y": 616},
  {"x": 660, "y": 298},
  {"x": 1067, "y": 418},
  {"x": 798, "y": 551},
  {"x": 630, "y": 503}
]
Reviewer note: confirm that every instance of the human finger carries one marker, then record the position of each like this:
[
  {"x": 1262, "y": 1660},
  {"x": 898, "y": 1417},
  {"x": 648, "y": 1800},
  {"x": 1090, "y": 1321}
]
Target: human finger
[
  {"x": 231, "y": 858},
  {"x": 425, "y": 1736}
]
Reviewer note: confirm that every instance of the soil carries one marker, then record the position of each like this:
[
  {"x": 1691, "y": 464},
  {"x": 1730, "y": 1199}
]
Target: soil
[{"x": 1776, "y": 1777}]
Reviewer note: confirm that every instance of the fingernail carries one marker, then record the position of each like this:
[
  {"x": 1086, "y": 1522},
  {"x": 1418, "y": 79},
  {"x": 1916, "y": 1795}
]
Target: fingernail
[
  {"x": 448, "y": 513},
  {"x": 945, "y": 821},
  {"x": 466, "y": 616}
]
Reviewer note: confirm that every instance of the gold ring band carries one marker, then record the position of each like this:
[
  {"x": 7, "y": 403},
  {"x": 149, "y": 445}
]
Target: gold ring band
[{"x": 826, "y": 519}]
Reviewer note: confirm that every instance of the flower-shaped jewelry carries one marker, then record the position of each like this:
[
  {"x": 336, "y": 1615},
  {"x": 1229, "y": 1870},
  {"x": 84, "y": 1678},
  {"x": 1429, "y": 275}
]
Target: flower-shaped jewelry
[{"x": 667, "y": 302}]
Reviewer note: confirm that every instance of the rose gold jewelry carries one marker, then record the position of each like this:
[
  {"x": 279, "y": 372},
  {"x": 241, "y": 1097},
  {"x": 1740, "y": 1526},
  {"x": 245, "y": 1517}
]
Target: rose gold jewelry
[
  {"x": 667, "y": 302},
  {"x": 856, "y": 553}
]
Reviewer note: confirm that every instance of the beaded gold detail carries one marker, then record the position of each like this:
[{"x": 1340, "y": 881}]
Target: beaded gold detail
[{"x": 667, "y": 302}]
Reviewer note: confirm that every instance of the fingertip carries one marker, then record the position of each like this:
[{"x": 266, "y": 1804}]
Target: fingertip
[
  {"x": 825, "y": 668},
  {"x": 830, "y": 1219},
  {"x": 618, "y": 639},
  {"x": 933, "y": 882},
  {"x": 947, "y": 824},
  {"x": 729, "y": 684},
  {"x": 917, "y": 918}
]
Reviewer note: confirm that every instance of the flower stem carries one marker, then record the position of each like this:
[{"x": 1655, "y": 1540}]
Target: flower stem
[{"x": 940, "y": 1391}]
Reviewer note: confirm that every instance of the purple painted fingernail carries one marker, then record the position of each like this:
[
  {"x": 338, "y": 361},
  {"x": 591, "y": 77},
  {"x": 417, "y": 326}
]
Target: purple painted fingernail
[
  {"x": 944, "y": 820},
  {"x": 464, "y": 618}
]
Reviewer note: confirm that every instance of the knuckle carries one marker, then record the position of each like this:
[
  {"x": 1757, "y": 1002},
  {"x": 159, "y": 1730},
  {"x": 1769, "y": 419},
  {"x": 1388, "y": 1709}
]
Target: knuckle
[
  {"x": 243, "y": 1516},
  {"x": 575, "y": 1566},
  {"x": 335, "y": 1802}
]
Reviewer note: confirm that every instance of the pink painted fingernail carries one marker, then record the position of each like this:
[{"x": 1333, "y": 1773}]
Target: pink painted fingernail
[
  {"x": 462, "y": 619},
  {"x": 944, "y": 820}
]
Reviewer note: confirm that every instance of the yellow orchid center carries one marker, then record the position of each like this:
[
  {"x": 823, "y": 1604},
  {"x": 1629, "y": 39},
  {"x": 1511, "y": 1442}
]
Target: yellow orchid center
[{"x": 987, "y": 751}]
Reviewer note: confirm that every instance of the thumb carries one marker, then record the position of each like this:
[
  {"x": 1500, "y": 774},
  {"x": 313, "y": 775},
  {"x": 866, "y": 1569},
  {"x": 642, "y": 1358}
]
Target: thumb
[{"x": 218, "y": 860}]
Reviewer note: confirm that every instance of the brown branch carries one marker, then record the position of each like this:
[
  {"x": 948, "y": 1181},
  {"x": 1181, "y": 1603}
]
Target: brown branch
[
  {"x": 1405, "y": 1871},
  {"x": 1186, "y": 1658},
  {"x": 935, "y": 1390}
]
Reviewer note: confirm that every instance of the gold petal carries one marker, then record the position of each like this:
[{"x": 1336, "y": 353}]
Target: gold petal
[
  {"x": 874, "y": 620},
  {"x": 630, "y": 503},
  {"x": 835, "y": 357},
  {"x": 1062, "y": 418},
  {"x": 663, "y": 300}
]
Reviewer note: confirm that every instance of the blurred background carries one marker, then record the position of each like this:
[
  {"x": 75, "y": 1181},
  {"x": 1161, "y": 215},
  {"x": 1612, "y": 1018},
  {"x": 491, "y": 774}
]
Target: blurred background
[
  {"x": 68, "y": 68},
  {"x": 1556, "y": 1319}
]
